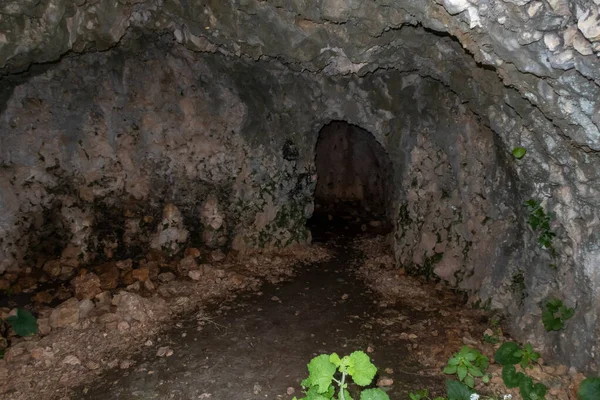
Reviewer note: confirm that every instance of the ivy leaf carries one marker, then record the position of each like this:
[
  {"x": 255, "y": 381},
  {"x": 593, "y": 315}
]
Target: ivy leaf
[
  {"x": 519, "y": 152},
  {"x": 529, "y": 391},
  {"x": 511, "y": 377},
  {"x": 566, "y": 312},
  {"x": 321, "y": 372},
  {"x": 589, "y": 389},
  {"x": 374, "y": 394},
  {"x": 457, "y": 391},
  {"x": 553, "y": 305},
  {"x": 507, "y": 354},
  {"x": 551, "y": 323},
  {"x": 363, "y": 371},
  {"x": 24, "y": 323}
]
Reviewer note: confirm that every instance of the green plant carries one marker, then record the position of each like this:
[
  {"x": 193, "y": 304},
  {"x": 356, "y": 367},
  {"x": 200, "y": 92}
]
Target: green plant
[
  {"x": 491, "y": 339},
  {"x": 422, "y": 395},
  {"x": 529, "y": 356},
  {"x": 510, "y": 354},
  {"x": 539, "y": 221},
  {"x": 323, "y": 369},
  {"x": 554, "y": 314},
  {"x": 23, "y": 323},
  {"x": 468, "y": 364},
  {"x": 519, "y": 152},
  {"x": 589, "y": 389}
]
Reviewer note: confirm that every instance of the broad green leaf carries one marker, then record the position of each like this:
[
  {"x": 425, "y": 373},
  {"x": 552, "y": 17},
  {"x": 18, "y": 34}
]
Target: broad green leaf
[
  {"x": 482, "y": 362},
  {"x": 461, "y": 372},
  {"x": 457, "y": 390},
  {"x": 450, "y": 369},
  {"x": 335, "y": 359},
  {"x": 453, "y": 361},
  {"x": 313, "y": 393},
  {"x": 24, "y": 323},
  {"x": 519, "y": 152},
  {"x": 529, "y": 391},
  {"x": 374, "y": 394},
  {"x": 589, "y": 389},
  {"x": 470, "y": 381},
  {"x": 505, "y": 355},
  {"x": 363, "y": 371},
  {"x": 476, "y": 372},
  {"x": 551, "y": 323},
  {"x": 566, "y": 312},
  {"x": 321, "y": 372},
  {"x": 553, "y": 304},
  {"x": 511, "y": 377}
]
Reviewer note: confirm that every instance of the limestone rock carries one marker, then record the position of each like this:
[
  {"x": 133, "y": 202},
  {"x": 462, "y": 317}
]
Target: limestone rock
[
  {"x": 65, "y": 314},
  {"x": 86, "y": 286},
  {"x": 171, "y": 234},
  {"x": 132, "y": 307}
]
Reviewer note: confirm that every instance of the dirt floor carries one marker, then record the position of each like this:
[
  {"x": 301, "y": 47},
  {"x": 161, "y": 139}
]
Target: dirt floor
[{"x": 256, "y": 345}]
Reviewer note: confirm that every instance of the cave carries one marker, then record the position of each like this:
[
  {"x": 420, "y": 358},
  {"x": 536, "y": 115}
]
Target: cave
[
  {"x": 224, "y": 190},
  {"x": 354, "y": 182}
]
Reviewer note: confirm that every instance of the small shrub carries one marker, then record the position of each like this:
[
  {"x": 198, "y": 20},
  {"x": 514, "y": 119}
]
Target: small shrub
[
  {"x": 321, "y": 382},
  {"x": 519, "y": 152},
  {"x": 23, "y": 323},
  {"x": 510, "y": 354},
  {"x": 589, "y": 389},
  {"x": 539, "y": 221},
  {"x": 554, "y": 314},
  {"x": 468, "y": 364}
]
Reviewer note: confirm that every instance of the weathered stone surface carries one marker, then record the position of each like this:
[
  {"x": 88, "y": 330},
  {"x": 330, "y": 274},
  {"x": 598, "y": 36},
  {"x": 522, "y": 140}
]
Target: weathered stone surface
[
  {"x": 65, "y": 314},
  {"x": 169, "y": 127},
  {"x": 86, "y": 286},
  {"x": 133, "y": 307}
]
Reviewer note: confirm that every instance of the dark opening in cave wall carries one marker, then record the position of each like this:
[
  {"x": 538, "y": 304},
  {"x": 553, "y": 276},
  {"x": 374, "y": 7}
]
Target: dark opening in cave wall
[{"x": 130, "y": 125}]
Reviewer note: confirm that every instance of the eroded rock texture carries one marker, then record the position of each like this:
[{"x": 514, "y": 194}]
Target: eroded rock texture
[{"x": 164, "y": 122}]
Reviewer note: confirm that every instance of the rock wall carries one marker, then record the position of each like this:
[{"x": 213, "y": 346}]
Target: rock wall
[
  {"x": 438, "y": 83},
  {"x": 105, "y": 155}
]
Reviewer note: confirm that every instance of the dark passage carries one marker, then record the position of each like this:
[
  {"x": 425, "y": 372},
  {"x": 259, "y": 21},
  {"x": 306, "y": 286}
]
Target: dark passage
[{"x": 353, "y": 188}]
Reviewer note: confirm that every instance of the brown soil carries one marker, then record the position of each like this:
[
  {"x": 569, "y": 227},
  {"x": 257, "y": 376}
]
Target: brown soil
[{"x": 208, "y": 340}]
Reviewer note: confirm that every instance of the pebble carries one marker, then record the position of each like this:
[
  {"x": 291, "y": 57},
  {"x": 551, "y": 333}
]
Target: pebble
[
  {"x": 164, "y": 352},
  {"x": 71, "y": 360}
]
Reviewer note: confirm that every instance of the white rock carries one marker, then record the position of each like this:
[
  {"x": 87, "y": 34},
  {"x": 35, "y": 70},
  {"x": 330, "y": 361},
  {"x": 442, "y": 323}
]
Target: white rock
[
  {"x": 534, "y": 8},
  {"x": 473, "y": 17},
  {"x": 582, "y": 45},
  {"x": 569, "y": 35},
  {"x": 171, "y": 233},
  {"x": 560, "y": 7},
  {"x": 589, "y": 24},
  {"x": 552, "y": 41},
  {"x": 195, "y": 274},
  {"x": 71, "y": 360},
  {"x": 455, "y": 6},
  {"x": 85, "y": 307}
]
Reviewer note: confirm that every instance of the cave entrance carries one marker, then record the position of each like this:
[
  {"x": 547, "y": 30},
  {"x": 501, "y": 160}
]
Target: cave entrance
[{"x": 354, "y": 187}]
